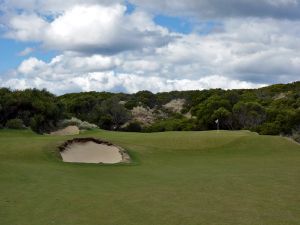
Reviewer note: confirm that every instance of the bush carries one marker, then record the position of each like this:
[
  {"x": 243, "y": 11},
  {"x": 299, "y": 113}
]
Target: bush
[
  {"x": 15, "y": 124},
  {"x": 87, "y": 126},
  {"x": 269, "y": 129},
  {"x": 82, "y": 125},
  {"x": 296, "y": 134},
  {"x": 40, "y": 124},
  {"x": 133, "y": 127},
  {"x": 70, "y": 122}
]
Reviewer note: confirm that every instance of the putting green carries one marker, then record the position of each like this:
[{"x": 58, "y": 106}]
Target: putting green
[{"x": 176, "y": 178}]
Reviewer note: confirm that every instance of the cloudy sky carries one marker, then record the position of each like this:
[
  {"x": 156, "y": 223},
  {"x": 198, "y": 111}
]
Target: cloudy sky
[{"x": 157, "y": 45}]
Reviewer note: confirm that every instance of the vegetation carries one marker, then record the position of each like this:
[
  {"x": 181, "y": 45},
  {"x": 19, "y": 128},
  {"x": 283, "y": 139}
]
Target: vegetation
[
  {"x": 14, "y": 124},
  {"x": 83, "y": 125},
  {"x": 38, "y": 109},
  {"x": 230, "y": 177},
  {"x": 270, "y": 110}
]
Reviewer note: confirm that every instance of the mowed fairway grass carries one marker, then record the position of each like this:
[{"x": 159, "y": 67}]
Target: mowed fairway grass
[{"x": 176, "y": 178}]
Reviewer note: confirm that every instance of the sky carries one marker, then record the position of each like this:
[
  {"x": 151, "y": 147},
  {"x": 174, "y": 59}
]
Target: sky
[{"x": 157, "y": 45}]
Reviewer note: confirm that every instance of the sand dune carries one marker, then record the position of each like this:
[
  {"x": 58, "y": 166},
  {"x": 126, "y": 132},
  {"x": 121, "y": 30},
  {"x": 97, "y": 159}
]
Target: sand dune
[{"x": 70, "y": 130}]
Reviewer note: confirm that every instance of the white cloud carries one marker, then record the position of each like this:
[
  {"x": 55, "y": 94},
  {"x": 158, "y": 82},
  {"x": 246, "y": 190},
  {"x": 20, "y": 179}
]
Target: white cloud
[
  {"x": 225, "y": 9},
  {"x": 51, "y": 6},
  {"x": 197, "y": 8},
  {"x": 26, "y": 27},
  {"x": 102, "y": 47},
  {"x": 238, "y": 57},
  {"x": 90, "y": 29},
  {"x": 30, "y": 66},
  {"x": 26, "y": 51},
  {"x": 130, "y": 83}
]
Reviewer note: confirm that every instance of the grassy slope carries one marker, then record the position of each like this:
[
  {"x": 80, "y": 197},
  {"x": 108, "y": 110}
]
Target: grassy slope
[{"x": 178, "y": 178}]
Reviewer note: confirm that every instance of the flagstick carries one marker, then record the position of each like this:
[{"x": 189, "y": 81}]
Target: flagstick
[{"x": 218, "y": 128}]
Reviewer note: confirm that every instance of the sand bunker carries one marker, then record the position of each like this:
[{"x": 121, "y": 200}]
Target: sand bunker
[
  {"x": 90, "y": 150},
  {"x": 70, "y": 130}
]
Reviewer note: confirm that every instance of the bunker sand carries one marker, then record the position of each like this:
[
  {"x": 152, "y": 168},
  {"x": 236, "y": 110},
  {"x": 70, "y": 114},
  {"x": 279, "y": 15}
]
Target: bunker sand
[{"x": 89, "y": 151}]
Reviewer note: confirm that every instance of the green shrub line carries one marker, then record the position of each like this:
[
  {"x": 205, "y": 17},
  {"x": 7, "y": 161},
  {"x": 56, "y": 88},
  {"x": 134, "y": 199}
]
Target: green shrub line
[{"x": 272, "y": 110}]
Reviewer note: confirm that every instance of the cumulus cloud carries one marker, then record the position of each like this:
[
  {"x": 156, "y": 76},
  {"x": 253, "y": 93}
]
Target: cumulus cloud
[
  {"x": 65, "y": 66},
  {"x": 26, "y": 27},
  {"x": 129, "y": 83},
  {"x": 90, "y": 29},
  {"x": 244, "y": 55},
  {"x": 224, "y": 9},
  {"x": 254, "y": 50},
  {"x": 199, "y": 8},
  {"x": 30, "y": 66},
  {"x": 50, "y": 7},
  {"x": 101, "y": 46}
]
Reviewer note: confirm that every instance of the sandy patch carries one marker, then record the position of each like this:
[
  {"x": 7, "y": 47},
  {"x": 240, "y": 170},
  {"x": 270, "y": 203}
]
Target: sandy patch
[
  {"x": 176, "y": 105},
  {"x": 70, "y": 130},
  {"x": 89, "y": 150},
  {"x": 146, "y": 116}
]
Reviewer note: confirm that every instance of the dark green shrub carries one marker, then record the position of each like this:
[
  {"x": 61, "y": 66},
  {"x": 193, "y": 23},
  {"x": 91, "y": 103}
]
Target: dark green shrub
[
  {"x": 133, "y": 127},
  {"x": 15, "y": 124},
  {"x": 269, "y": 129}
]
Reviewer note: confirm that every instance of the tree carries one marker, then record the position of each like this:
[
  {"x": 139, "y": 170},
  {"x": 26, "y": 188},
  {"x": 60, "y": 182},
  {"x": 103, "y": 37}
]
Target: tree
[
  {"x": 205, "y": 110},
  {"x": 249, "y": 114},
  {"x": 115, "y": 113},
  {"x": 224, "y": 117}
]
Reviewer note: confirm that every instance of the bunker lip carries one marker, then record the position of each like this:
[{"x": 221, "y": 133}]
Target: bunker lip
[{"x": 92, "y": 150}]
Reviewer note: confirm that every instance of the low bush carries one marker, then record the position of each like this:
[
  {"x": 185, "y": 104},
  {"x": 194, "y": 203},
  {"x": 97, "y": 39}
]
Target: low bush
[
  {"x": 15, "y": 124},
  {"x": 269, "y": 129},
  {"x": 296, "y": 134},
  {"x": 82, "y": 125},
  {"x": 87, "y": 126},
  {"x": 70, "y": 122},
  {"x": 133, "y": 127}
]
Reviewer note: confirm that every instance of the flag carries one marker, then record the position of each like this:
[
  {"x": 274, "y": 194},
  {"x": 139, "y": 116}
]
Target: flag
[{"x": 217, "y": 121}]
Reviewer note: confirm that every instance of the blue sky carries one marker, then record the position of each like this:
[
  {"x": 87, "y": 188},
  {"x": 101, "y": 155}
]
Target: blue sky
[
  {"x": 10, "y": 51},
  {"x": 157, "y": 45}
]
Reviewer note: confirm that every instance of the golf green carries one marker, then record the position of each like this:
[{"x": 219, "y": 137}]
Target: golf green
[{"x": 176, "y": 178}]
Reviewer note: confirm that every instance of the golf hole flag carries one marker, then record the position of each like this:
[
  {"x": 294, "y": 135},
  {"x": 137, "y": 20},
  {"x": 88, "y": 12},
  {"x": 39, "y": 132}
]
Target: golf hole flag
[{"x": 217, "y": 122}]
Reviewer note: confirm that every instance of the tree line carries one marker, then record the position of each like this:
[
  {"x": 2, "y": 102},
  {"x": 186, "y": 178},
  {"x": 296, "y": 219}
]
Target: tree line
[{"x": 270, "y": 110}]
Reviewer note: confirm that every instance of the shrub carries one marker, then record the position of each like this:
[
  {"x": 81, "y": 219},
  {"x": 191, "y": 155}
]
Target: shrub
[
  {"x": 15, "y": 124},
  {"x": 70, "y": 122},
  {"x": 40, "y": 124},
  {"x": 133, "y": 127},
  {"x": 87, "y": 126},
  {"x": 269, "y": 129},
  {"x": 82, "y": 125},
  {"x": 296, "y": 134}
]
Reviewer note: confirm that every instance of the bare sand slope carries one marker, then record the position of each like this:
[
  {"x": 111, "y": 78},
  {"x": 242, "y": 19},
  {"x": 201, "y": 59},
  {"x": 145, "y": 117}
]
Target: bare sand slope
[
  {"x": 70, "y": 130},
  {"x": 91, "y": 152}
]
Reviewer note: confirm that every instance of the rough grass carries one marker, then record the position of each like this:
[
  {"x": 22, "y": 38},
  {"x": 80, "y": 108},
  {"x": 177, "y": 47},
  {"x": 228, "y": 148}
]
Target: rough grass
[{"x": 177, "y": 178}]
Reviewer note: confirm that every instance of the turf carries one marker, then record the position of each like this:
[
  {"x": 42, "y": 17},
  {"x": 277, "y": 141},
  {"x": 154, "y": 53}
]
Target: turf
[{"x": 176, "y": 178}]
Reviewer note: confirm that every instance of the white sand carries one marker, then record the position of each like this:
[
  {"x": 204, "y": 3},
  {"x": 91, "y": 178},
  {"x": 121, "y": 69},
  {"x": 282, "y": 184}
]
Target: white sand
[
  {"x": 70, "y": 130},
  {"x": 91, "y": 152}
]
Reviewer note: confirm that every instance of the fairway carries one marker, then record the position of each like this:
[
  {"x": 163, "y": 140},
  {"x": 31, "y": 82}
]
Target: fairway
[{"x": 175, "y": 178}]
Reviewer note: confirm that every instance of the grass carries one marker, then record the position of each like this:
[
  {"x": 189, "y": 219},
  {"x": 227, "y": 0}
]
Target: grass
[{"x": 177, "y": 178}]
